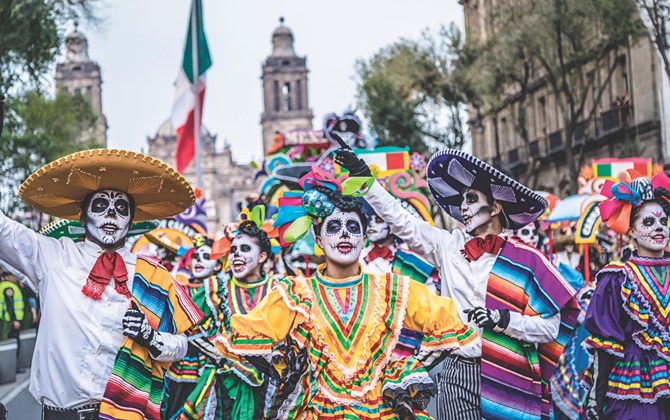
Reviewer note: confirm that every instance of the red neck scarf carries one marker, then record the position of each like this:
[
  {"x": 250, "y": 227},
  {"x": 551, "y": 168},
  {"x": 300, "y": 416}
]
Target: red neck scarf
[
  {"x": 379, "y": 252},
  {"x": 108, "y": 265},
  {"x": 476, "y": 247}
]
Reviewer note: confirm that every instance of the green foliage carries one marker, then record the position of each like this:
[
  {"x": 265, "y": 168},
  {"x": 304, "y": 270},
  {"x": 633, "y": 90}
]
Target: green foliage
[
  {"x": 31, "y": 34},
  {"x": 38, "y": 130},
  {"x": 407, "y": 92}
]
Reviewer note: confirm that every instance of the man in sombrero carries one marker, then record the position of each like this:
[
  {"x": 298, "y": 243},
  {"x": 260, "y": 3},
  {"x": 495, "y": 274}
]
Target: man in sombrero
[
  {"x": 112, "y": 322},
  {"x": 509, "y": 292}
]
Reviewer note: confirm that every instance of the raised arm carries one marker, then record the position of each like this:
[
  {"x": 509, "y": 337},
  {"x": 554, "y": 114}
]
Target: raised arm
[{"x": 27, "y": 251}]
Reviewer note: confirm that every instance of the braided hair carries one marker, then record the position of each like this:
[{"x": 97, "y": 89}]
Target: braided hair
[
  {"x": 249, "y": 228},
  {"x": 345, "y": 203}
]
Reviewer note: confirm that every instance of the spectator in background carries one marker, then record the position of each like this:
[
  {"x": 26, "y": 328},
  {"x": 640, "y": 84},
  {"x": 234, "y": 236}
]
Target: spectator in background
[{"x": 14, "y": 309}]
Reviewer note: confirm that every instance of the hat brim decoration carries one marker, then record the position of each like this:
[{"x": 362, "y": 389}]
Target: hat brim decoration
[
  {"x": 298, "y": 210},
  {"x": 59, "y": 187},
  {"x": 451, "y": 172},
  {"x": 65, "y": 228}
]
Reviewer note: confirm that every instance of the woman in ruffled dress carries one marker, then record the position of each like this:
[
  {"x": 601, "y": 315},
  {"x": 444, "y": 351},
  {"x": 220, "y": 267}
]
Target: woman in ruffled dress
[
  {"x": 629, "y": 315},
  {"x": 329, "y": 339}
]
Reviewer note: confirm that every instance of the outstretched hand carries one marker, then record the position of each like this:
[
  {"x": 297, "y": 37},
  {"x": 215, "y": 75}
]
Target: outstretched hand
[{"x": 346, "y": 158}]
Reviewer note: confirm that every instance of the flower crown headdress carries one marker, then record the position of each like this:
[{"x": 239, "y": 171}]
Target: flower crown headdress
[
  {"x": 631, "y": 191},
  {"x": 255, "y": 215},
  {"x": 299, "y": 210}
]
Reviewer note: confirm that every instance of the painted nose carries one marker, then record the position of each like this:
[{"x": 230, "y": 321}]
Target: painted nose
[
  {"x": 345, "y": 233},
  {"x": 111, "y": 212}
]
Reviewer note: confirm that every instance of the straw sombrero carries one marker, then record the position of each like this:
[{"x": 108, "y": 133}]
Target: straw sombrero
[
  {"x": 59, "y": 187},
  {"x": 170, "y": 239},
  {"x": 450, "y": 172}
]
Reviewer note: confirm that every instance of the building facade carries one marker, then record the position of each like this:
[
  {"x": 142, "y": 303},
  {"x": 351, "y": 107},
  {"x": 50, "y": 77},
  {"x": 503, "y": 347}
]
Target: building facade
[
  {"x": 79, "y": 75},
  {"x": 285, "y": 97},
  {"x": 630, "y": 110}
]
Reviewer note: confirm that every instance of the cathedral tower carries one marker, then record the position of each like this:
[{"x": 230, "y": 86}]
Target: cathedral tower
[
  {"x": 78, "y": 75},
  {"x": 285, "y": 99}
]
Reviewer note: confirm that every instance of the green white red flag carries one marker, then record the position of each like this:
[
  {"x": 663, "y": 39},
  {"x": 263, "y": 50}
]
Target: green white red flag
[{"x": 196, "y": 51}]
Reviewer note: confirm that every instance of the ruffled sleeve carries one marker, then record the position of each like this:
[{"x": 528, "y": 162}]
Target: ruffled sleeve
[
  {"x": 437, "y": 317},
  {"x": 255, "y": 334},
  {"x": 605, "y": 317}
]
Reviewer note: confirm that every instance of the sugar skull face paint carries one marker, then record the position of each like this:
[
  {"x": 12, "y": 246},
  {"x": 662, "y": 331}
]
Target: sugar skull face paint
[
  {"x": 201, "y": 266},
  {"x": 245, "y": 257},
  {"x": 528, "y": 235},
  {"x": 378, "y": 229},
  {"x": 651, "y": 228},
  {"x": 108, "y": 218},
  {"x": 342, "y": 237},
  {"x": 475, "y": 210}
]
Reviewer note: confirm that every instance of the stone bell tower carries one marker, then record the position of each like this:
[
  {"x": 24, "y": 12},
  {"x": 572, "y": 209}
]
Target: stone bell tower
[{"x": 285, "y": 98}]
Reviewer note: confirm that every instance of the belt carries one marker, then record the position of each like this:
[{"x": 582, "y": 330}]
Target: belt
[
  {"x": 463, "y": 359},
  {"x": 86, "y": 412}
]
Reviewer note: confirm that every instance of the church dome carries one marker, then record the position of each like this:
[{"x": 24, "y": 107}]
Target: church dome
[
  {"x": 77, "y": 46},
  {"x": 282, "y": 41}
]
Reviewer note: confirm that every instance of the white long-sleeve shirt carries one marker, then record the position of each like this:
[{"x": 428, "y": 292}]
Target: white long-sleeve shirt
[
  {"x": 79, "y": 337},
  {"x": 463, "y": 281}
]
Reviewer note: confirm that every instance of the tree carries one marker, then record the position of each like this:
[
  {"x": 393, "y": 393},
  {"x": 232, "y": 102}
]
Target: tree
[
  {"x": 31, "y": 34},
  {"x": 656, "y": 17},
  {"x": 407, "y": 93},
  {"x": 38, "y": 130},
  {"x": 569, "y": 46}
]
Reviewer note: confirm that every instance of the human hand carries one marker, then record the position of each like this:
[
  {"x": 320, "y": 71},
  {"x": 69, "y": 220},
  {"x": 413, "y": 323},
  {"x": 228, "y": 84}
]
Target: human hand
[
  {"x": 496, "y": 319},
  {"x": 346, "y": 158},
  {"x": 17, "y": 325}
]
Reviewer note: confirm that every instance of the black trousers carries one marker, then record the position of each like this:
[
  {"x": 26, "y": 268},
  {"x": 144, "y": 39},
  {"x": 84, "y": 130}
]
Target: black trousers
[{"x": 15, "y": 334}]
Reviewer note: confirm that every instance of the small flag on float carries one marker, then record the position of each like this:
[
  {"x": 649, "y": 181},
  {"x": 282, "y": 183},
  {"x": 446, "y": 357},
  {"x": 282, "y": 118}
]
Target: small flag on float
[{"x": 611, "y": 168}]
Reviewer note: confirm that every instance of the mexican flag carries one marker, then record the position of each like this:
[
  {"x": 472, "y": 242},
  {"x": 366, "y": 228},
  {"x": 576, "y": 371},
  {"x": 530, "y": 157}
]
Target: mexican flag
[{"x": 183, "y": 107}]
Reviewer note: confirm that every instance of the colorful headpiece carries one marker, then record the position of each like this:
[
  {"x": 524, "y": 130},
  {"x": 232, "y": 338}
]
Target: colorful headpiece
[
  {"x": 298, "y": 210},
  {"x": 623, "y": 196},
  {"x": 256, "y": 215}
]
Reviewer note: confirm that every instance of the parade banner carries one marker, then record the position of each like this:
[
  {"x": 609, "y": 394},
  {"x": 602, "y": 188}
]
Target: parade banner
[
  {"x": 587, "y": 226},
  {"x": 306, "y": 138}
]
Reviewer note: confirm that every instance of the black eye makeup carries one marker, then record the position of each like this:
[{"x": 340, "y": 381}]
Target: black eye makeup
[
  {"x": 99, "y": 205},
  {"x": 354, "y": 227},
  {"x": 121, "y": 207},
  {"x": 245, "y": 248},
  {"x": 333, "y": 226},
  {"x": 471, "y": 197},
  {"x": 648, "y": 221}
]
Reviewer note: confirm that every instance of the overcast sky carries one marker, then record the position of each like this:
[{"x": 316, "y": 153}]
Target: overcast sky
[{"x": 139, "y": 47}]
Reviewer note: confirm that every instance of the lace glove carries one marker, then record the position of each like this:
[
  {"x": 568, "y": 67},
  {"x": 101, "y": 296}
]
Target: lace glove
[
  {"x": 136, "y": 326},
  {"x": 604, "y": 363},
  {"x": 346, "y": 158},
  {"x": 496, "y": 320}
]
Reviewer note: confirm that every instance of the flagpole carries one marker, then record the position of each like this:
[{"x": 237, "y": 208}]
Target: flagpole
[{"x": 196, "y": 93}]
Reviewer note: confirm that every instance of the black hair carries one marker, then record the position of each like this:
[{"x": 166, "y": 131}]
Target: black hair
[
  {"x": 87, "y": 201},
  {"x": 249, "y": 228},
  {"x": 346, "y": 203}
]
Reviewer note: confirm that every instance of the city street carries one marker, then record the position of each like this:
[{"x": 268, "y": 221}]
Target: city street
[{"x": 20, "y": 404}]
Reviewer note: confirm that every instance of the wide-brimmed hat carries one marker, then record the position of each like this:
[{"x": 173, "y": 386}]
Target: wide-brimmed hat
[
  {"x": 59, "y": 187},
  {"x": 451, "y": 172},
  {"x": 64, "y": 228}
]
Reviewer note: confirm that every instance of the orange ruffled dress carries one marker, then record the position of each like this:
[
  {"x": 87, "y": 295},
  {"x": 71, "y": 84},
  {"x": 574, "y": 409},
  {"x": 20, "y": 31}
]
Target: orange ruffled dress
[{"x": 346, "y": 330}]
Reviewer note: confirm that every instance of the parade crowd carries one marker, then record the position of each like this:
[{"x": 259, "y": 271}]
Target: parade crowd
[{"x": 386, "y": 317}]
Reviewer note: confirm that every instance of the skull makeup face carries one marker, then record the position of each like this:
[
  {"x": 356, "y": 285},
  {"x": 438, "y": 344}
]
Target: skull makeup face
[
  {"x": 651, "y": 229},
  {"x": 528, "y": 235},
  {"x": 341, "y": 237},
  {"x": 378, "y": 229},
  {"x": 246, "y": 257},
  {"x": 475, "y": 210},
  {"x": 201, "y": 266},
  {"x": 108, "y": 218}
]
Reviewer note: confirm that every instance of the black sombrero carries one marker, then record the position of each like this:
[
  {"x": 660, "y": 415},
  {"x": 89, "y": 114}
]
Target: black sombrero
[{"x": 450, "y": 172}]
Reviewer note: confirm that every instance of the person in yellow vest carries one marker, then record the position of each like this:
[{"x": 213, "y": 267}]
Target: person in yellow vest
[{"x": 13, "y": 313}]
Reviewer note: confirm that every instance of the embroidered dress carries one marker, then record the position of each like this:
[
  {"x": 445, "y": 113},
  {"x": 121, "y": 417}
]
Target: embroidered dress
[
  {"x": 629, "y": 317},
  {"x": 343, "y": 333},
  {"x": 225, "y": 389}
]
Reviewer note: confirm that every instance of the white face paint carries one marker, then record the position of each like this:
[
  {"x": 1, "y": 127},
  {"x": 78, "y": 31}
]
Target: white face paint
[
  {"x": 201, "y": 266},
  {"x": 108, "y": 218},
  {"x": 528, "y": 235},
  {"x": 475, "y": 210},
  {"x": 651, "y": 228},
  {"x": 378, "y": 229},
  {"x": 342, "y": 237},
  {"x": 245, "y": 256}
]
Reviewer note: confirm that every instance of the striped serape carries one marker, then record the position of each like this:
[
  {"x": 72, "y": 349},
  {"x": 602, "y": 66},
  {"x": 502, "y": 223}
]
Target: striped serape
[{"x": 135, "y": 389}]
